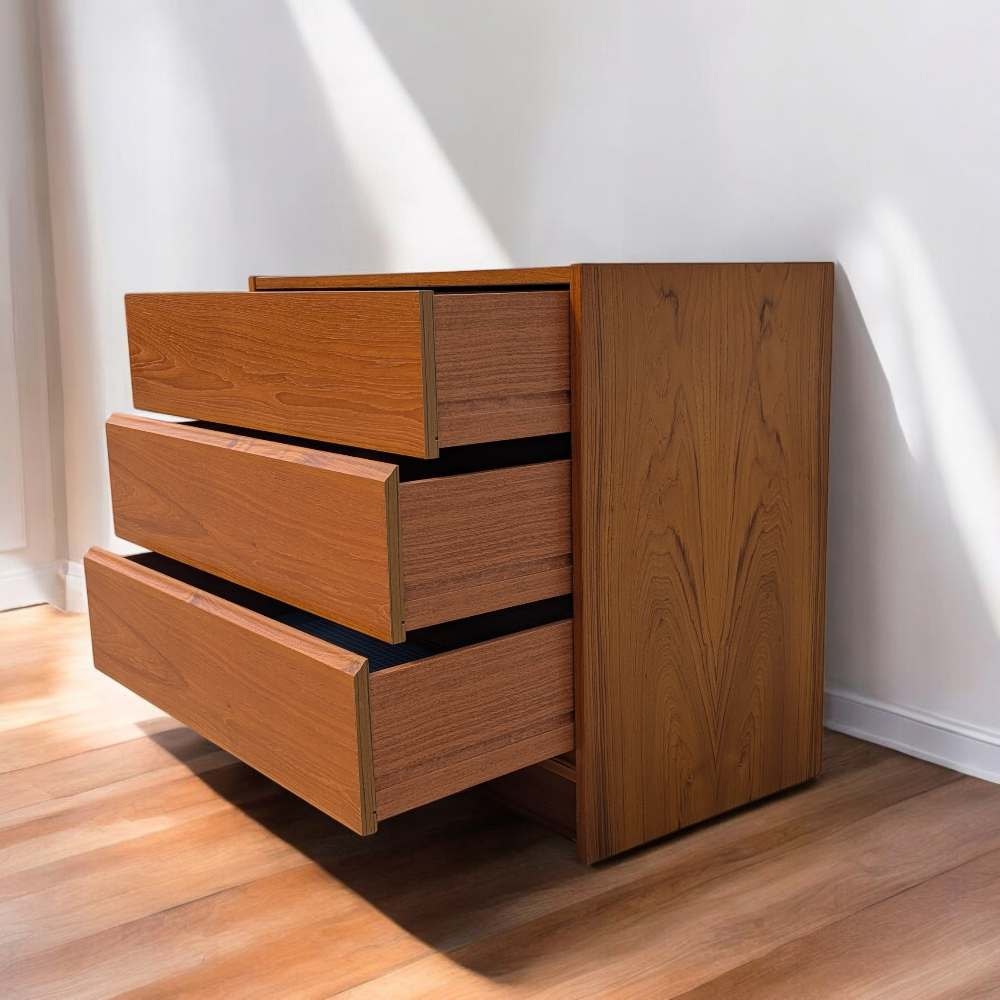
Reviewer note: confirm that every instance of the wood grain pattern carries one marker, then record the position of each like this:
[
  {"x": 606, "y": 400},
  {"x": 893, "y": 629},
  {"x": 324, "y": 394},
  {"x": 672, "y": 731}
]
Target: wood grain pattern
[
  {"x": 700, "y": 412},
  {"x": 496, "y": 278},
  {"x": 291, "y": 705},
  {"x": 939, "y": 938},
  {"x": 464, "y": 717},
  {"x": 487, "y": 540},
  {"x": 192, "y": 875},
  {"x": 348, "y": 368},
  {"x": 338, "y": 535},
  {"x": 502, "y": 365},
  {"x": 680, "y": 929},
  {"x": 313, "y": 528}
]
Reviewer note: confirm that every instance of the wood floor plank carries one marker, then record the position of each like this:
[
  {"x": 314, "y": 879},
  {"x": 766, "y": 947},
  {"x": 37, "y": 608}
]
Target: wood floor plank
[
  {"x": 52, "y": 903},
  {"x": 134, "y": 813},
  {"x": 155, "y": 865},
  {"x": 329, "y": 923},
  {"x": 41, "y": 653},
  {"x": 69, "y": 735},
  {"x": 105, "y": 765},
  {"x": 416, "y": 878},
  {"x": 940, "y": 938},
  {"x": 39, "y": 804},
  {"x": 654, "y": 939}
]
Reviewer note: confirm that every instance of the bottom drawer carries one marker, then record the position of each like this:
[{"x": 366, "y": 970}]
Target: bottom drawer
[{"x": 360, "y": 728}]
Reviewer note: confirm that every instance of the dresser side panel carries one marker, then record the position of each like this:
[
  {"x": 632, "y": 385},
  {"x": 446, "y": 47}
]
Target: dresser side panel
[{"x": 700, "y": 419}]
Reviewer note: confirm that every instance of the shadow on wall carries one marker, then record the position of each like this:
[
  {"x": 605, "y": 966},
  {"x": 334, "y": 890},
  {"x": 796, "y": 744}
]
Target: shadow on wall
[{"x": 913, "y": 457}]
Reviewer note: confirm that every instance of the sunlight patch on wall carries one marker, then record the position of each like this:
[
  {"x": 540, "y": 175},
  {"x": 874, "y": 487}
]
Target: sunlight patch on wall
[
  {"x": 426, "y": 216},
  {"x": 936, "y": 398}
]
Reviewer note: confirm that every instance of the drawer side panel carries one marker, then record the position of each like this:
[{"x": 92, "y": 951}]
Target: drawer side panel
[
  {"x": 464, "y": 717},
  {"x": 502, "y": 365},
  {"x": 474, "y": 543}
]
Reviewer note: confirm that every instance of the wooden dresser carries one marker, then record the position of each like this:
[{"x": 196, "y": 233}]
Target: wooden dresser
[{"x": 562, "y": 529}]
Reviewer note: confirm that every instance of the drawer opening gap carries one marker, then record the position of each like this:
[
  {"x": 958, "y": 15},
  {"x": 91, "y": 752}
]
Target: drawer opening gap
[
  {"x": 455, "y": 461},
  {"x": 420, "y": 643}
]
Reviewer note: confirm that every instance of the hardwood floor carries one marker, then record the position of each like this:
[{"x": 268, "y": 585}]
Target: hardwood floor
[{"x": 137, "y": 859}]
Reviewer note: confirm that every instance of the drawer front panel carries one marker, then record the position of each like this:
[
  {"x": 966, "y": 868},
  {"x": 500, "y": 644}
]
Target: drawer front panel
[
  {"x": 292, "y": 706},
  {"x": 312, "y": 528},
  {"x": 353, "y": 368}
]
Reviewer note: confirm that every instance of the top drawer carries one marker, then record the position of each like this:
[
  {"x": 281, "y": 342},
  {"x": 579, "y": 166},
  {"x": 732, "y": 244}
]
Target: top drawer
[{"x": 404, "y": 372}]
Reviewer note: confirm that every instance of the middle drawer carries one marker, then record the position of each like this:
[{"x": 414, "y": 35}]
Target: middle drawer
[{"x": 373, "y": 545}]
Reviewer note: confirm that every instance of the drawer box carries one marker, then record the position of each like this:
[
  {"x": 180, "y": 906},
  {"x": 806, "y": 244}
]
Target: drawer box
[
  {"x": 404, "y": 372},
  {"x": 361, "y": 729},
  {"x": 339, "y": 535}
]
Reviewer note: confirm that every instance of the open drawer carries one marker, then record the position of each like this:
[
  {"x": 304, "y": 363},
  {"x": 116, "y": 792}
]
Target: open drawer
[
  {"x": 397, "y": 371},
  {"x": 341, "y": 535},
  {"x": 360, "y": 728}
]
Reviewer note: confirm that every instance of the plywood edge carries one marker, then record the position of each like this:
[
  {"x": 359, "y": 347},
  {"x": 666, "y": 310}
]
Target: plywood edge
[
  {"x": 581, "y": 283},
  {"x": 431, "y": 447},
  {"x": 394, "y": 557},
  {"x": 826, "y": 359},
  {"x": 362, "y": 468},
  {"x": 366, "y": 753}
]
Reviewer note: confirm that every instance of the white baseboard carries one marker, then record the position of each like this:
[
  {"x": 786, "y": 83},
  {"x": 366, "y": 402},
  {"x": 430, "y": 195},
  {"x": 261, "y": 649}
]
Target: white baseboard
[
  {"x": 940, "y": 740},
  {"x": 74, "y": 587},
  {"x": 42, "y": 584}
]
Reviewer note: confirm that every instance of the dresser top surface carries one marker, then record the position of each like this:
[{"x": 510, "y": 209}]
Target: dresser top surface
[{"x": 497, "y": 278}]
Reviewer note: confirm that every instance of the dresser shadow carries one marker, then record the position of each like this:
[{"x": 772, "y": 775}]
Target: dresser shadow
[{"x": 454, "y": 873}]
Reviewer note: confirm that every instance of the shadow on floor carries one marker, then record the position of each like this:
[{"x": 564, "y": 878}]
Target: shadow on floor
[
  {"x": 465, "y": 869},
  {"x": 448, "y": 873}
]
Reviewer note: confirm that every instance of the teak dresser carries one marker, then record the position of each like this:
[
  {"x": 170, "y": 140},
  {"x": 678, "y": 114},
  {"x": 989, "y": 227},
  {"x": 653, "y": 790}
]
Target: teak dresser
[{"x": 562, "y": 529}]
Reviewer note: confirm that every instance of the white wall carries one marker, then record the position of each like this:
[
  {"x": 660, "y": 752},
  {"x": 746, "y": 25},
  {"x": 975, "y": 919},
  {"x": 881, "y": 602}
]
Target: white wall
[
  {"x": 31, "y": 513},
  {"x": 192, "y": 144},
  {"x": 867, "y": 133}
]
